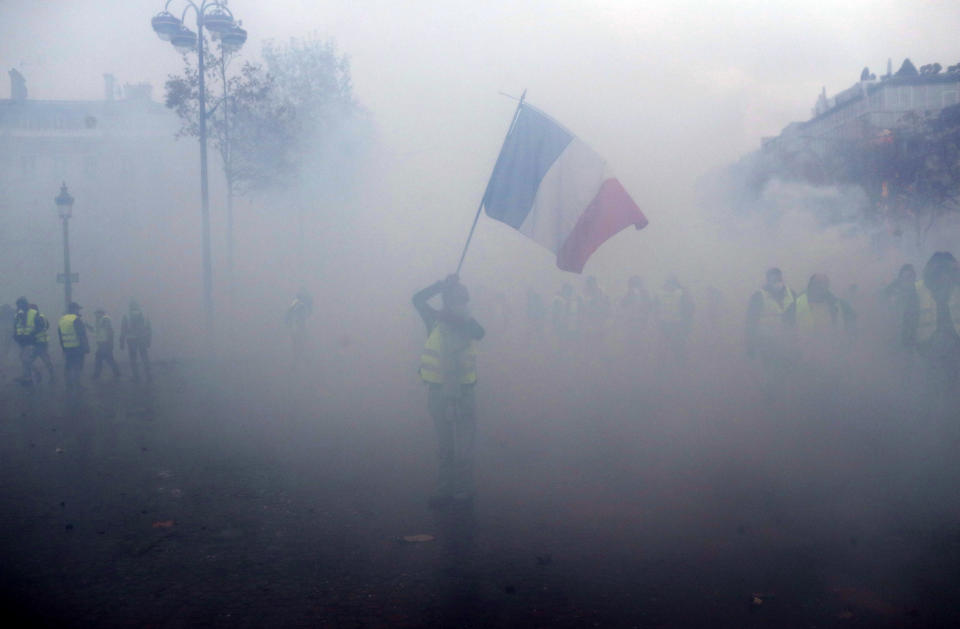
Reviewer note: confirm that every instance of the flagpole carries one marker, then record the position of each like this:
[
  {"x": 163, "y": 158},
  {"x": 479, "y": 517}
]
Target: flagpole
[{"x": 484, "y": 198}]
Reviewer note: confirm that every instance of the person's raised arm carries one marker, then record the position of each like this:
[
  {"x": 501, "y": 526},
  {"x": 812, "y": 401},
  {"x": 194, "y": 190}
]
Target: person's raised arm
[{"x": 421, "y": 302}]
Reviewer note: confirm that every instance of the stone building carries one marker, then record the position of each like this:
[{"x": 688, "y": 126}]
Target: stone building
[
  {"x": 121, "y": 161},
  {"x": 870, "y": 110}
]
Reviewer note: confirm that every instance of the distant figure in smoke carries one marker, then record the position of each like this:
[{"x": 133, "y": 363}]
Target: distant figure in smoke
[
  {"x": 566, "y": 315},
  {"x": 767, "y": 334},
  {"x": 42, "y": 344},
  {"x": 674, "y": 310},
  {"x": 29, "y": 326},
  {"x": 596, "y": 311},
  {"x": 635, "y": 310},
  {"x": 637, "y": 303},
  {"x": 75, "y": 346},
  {"x": 136, "y": 334},
  {"x": 932, "y": 321},
  {"x": 820, "y": 318},
  {"x": 899, "y": 296},
  {"x": 297, "y": 314},
  {"x": 536, "y": 315},
  {"x": 448, "y": 365},
  {"x": 103, "y": 328},
  {"x": 714, "y": 319}
]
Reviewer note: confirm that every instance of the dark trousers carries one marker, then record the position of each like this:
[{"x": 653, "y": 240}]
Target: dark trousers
[
  {"x": 455, "y": 420},
  {"x": 136, "y": 348},
  {"x": 29, "y": 354},
  {"x": 105, "y": 355},
  {"x": 40, "y": 351},
  {"x": 73, "y": 366}
]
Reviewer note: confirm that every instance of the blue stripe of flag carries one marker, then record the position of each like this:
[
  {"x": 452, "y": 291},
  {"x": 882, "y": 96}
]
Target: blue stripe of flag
[{"x": 531, "y": 148}]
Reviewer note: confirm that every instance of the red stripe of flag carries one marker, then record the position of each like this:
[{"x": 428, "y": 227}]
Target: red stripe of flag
[{"x": 611, "y": 210}]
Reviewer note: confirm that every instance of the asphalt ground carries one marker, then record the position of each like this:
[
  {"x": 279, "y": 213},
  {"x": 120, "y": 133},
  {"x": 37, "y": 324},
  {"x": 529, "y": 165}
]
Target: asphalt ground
[{"x": 238, "y": 501}]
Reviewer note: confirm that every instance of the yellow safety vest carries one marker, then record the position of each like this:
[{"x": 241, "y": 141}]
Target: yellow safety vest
[
  {"x": 807, "y": 320},
  {"x": 41, "y": 335},
  {"x": 103, "y": 329},
  {"x": 431, "y": 367},
  {"x": 927, "y": 323},
  {"x": 68, "y": 331},
  {"x": 771, "y": 315},
  {"x": 27, "y": 325}
]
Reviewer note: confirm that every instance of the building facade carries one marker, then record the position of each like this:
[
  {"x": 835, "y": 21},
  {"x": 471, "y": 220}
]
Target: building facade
[
  {"x": 869, "y": 108},
  {"x": 118, "y": 156}
]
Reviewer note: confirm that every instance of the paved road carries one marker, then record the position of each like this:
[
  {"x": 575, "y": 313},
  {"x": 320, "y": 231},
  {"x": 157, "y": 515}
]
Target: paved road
[{"x": 243, "y": 503}]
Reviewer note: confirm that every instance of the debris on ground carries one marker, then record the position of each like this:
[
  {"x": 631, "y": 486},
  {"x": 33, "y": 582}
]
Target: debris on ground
[{"x": 417, "y": 539}]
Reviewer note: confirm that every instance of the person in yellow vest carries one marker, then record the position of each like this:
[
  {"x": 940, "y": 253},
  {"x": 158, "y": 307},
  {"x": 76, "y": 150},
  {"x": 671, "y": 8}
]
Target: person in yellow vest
[
  {"x": 24, "y": 329},
  {"x": 932, "y": 320},
  {"x": 767, "y": 335},
  {"x": 820, "y": 317},
  {"x": 448, "y": 366},
  {"x": 73, "y": 341},
  {"x": 103, "y": 328},
  {"x": 30, "y": 332},
  {"x": 42, "y": 344},
  {"x": 897, "y": 297},
  {"x": 136, "y": 334}
]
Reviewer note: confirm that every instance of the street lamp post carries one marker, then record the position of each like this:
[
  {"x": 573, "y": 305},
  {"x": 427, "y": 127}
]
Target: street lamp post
[
  {"x": 216, "y": 18},
  {"x": 65, "y": 209},
  {"x": 230, "y": 42}
]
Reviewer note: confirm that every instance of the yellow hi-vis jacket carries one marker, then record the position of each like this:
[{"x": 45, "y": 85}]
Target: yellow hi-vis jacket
[
  {"x": 771, "y": 316},
  {"x": 41, "y": 325},
  {"x": 26, "y": 325},
  {"x": 927, "y": 323},
  {"x": 68, "y": 332},
  {"x": 432, "y": 368},
  {"x": 809, "y": 320},
  {"x": 104, "y": 329}
]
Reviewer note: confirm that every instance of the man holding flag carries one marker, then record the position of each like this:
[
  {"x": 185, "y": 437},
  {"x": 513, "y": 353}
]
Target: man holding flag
[
  {"x": 553, "y": 188},
  {"x": 448, "y": 366}
]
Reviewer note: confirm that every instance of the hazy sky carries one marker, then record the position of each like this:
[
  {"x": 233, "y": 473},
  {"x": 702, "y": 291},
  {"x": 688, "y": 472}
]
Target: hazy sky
[
  {"x": 663, "y": 90},
  {"x": 622, "y": 74}
]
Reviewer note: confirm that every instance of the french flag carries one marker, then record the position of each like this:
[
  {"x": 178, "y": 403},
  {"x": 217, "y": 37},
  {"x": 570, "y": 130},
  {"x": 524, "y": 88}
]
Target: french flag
[{"x": 553, "y": 188}]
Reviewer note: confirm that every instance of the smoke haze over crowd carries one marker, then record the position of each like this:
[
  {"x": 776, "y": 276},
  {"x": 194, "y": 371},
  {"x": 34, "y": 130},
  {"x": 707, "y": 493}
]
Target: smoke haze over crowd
[{"x": 618, "y": 483}]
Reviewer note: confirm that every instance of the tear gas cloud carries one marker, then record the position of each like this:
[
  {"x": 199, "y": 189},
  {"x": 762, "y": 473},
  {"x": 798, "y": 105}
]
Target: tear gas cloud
[{"x": 614, "y": 438}]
